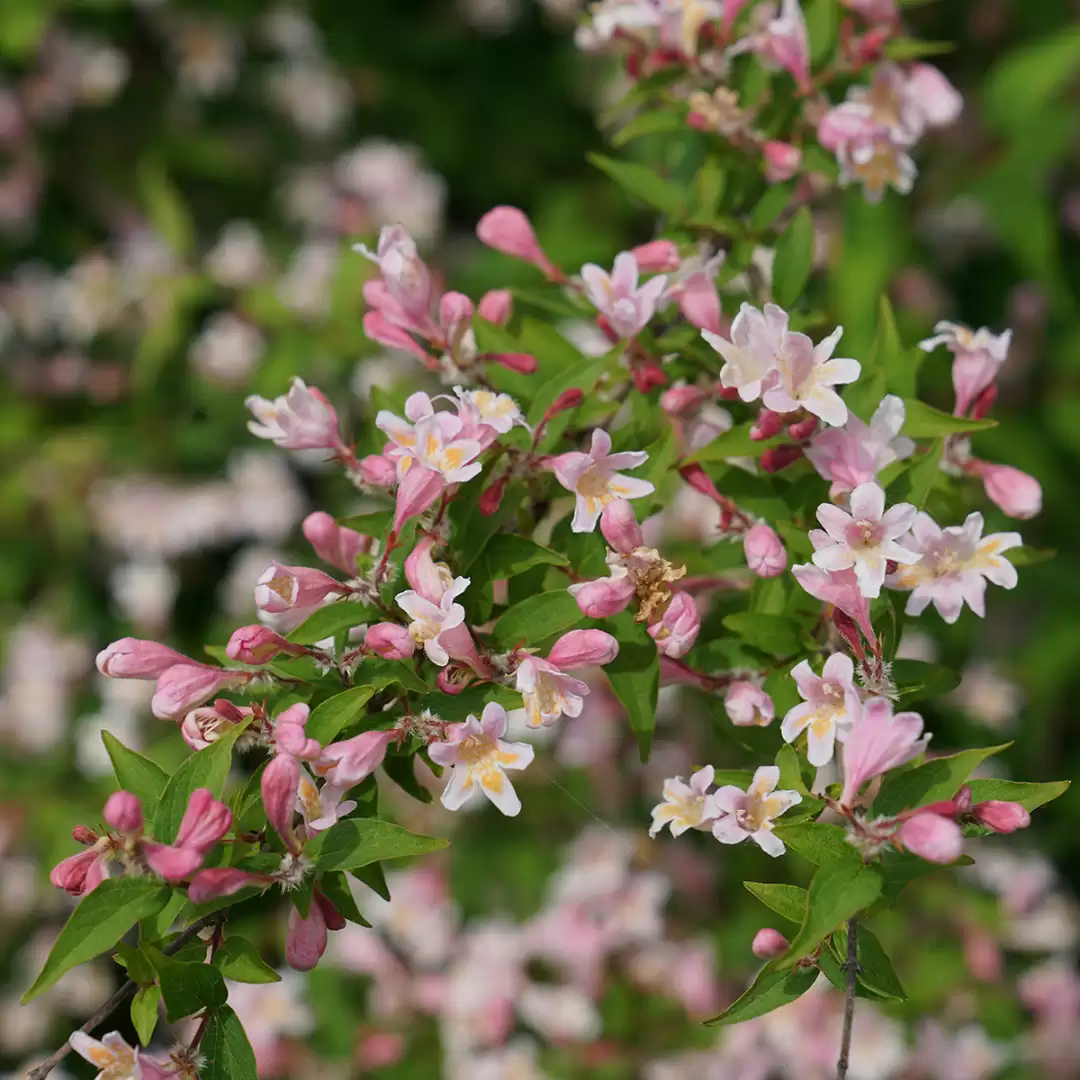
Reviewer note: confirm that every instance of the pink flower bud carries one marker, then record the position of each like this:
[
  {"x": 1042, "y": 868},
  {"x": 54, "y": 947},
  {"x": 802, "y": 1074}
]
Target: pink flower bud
[
  {"x": 620, "y": 527},
  {"x": 699, "y": 302},
  {"x": 767, "y": 425},
  {"x": 123, "y": 812},
  {"x": 376, "y": 470},
  {"x": 1002, "y": 817},
  {"x": 868, "y": 48},
  {"x": 583, "y": 648},
  {"x": 522, "y": 363},
  {"x": 259, "y": 645},
  {"x": 130, "y": 658},
  {"x": 604, "y": 597},
  {"x": 507, "y": 229},
  {"x": 496, "y": 306},
  {"x": 79, "y": 874},
  {"x": 334, "y": 543},
  {"x": 203, "y": 727},
  {"x": 418, "y": 492},
  {"x": 283, "y": 588},
  {"x": 349, "y": 762},
  {"x": 677, "y": 631},
  {"x": 380, "y": 1050},
  {"x": 748, "y": 705},
  {"x": 404, "y": 273},
  {"x": 492, "y": 496},
  {"x": 455, "y": 314},
  {"x": 280, "y": 781},
  {"x": 568, "y": 399},
  {"x": 222, "y": 881},
  {"x": 379, "y": 329},
  {"x": 681, "y": 400},
  {"x": 647, "y": 377},
  {"x": 390, "y": 641},
  {"x": 1016, "y": 493},
  {"x": 656, "y": 256},
  {"x": 933, "y": 837},
  {"x": 782, "y": 161},
  {"x": 305, "y": 939},
  {"x": 764, "y": 551},
  {"x": 82, "y": 834},
  {"x": 769, "y": 943},
  {"x": 171, "y": 861},
  {"x": 454, "y": 678},
  {"x": 291, "y": 738},
  {"x": 803, "y": 429},
  {"x": 778, "y": 458},
  {"x": 302, "y": 419},
  {"x": 184, "y": 686},
  {"x": 699, "y": 480}
]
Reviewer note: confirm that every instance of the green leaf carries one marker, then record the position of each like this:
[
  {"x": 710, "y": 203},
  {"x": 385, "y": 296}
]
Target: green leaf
[
  {"x": 904, "y": 48},
  {"x": 634, "y": 676},
  {"x": 98, "y": 923},
  {"x": 135, "y": 773},
  {"x": 837, "y": 891},
  {"x": 164, "y": 207},
  {"x": 335, "y": 887},
  {"x": 1030, "y": 796},
  {"x": 226, "y": 1049},
  {"x": 922, "y": 421},
  {"x": 899, "y": 870},
  {"x": 916, "y": 680},
  {"x": 1027, "y": 79},
  {"x": 1026, "y": 556},
  {"x": 337, "y": 713},
  {"x": 771, "y": 205},
  {"x": 207, "y": 768},
  {"x": 786, "y": 900},
  {"x": 399, "y": 767},
  {"x": 817, "y": 842},
  {"x": 187, "y": 988},
  {"x": 770, "y": 990},
  {"x": 648, "y": 123},
  {"x": 357, "y": 842},
  {"x": 239, "y": 960},
  {"x": 383, "y": 673},
  {"x": 735, "y": 442},
  {"x": 156, "y": 926},
  {"x": 584, "y": 376},
  {"x": 915, "y": 483},
  {"x": 373, "y": 524},
  {"x": 144, "y": 1012},
  {"x": 708, "y": 189},
  {"x": 794, "y": 258},
  {"x": 876, "y": 971},
  {"x": 770, "y": 633},
  {"x": 537, "y": 618},
  {"x": 901, "y": 365},
  {"x": 641, "y": 182},
  {"x": 931, "y": 782},
  {"x": 508, "y": 554},
  {"x": 821, "y": 24},
  {"x": 330, "y": 620}
]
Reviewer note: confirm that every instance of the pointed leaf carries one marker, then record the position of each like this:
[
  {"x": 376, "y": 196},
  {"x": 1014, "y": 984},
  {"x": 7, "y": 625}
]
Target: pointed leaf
[
  {"x": 135, "y": 773},
  {"x": 335, "y": 714},
  {"x": 770, "y": 990},
  {"x": 932, "y": 782},
  {"x": 239, "y": 960},
  {"x": 357, "y": 842},
  {"x": 794, "y": 258},
  {"x": 634, "y": 676},
  {"x": 144, "y": 1012},
  {"x": 226, "y": 1049},
  {"x": 788, "y": 901}
]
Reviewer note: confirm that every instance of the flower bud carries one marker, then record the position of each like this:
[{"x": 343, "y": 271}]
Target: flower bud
[
  {"x": 222, "y": 881},
  {"x": 782, "y": 161},
  {"x": 79, "y": 874},
  {"x": 933, "y": 837},
  {"x": 496, "y": 306},
  {"x": 131, "y": 658},
  {"x": 455, "y": 313},
  {"x": 379, "y": 329},
  {"x": 777, "y": 458},
  {"x": 283, "y": 588},
  {"x": 184, "y": 686},
  {"x": 378, "y": 471},
  {"x": 123, "y": 812},
  {"x": 583, "y": 648},
  {"x": 620, "y": 527},
  {"x": 677, "y": 631},
  {"x": 507, "y": 229},
  {"x": 492, "y": 496},
  {"x": 680, "y": 400},
  {"x": 699, "y": 302},
  {"x": 767, "y": 425},
  {"x": 280, "y": 781},
  {"x": 769, "y": 944},
  {"x": 302, "y": 419},
  {"x": 648, "y": 376},
  {"x": 699, "y": 480},
  {"x": 522, "y": 363},
  {"x": 764, "y": 551},
  {"x": 82, "y": 834},
  {"x": 604, "y": 597},
  {"x": 656, "y": 256},
  {"x": 934, "y": 95},
  {"x": 355, "y": 759},
  {"x": 568, "y": 399},
  {"x": 418, "y": 492},
  {"x": 334, "y": 543},
  {"x": 1016, "y": 493},
  {"x": 259, "y": 645},
  {"x": 1002, "y": 817},
  {"x": 454, "y": 678},
  {"x": 305, "y": 939},
  {"x": 390, "y": 641},
  {"x": 748, "y": 705},
  {"x": 803, "y": 429}
]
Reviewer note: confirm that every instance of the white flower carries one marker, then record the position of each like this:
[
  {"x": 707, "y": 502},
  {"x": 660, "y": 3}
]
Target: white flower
[
  {"x": 955, "y": 565},
  {"x": 477, "y": 757},
  {"x": 685, "y": 806},
  {"x": 750, "y": 355},
  {"x": 498, "y": 411},
  {"x": 112, "y": 1056},
  {"x": 302, "y": 419},
  {"x": 865, "y": 539},
  {"x": 752, "y": 813},
  {"x": 433, "y": 440},
  {"x": 830, "y": 706},
  {"x": 627, "y": 307},
  {"x": 805, "y": 376},
  {"x": 430, "y": 620},
  {"x": 548, "y": 692}
]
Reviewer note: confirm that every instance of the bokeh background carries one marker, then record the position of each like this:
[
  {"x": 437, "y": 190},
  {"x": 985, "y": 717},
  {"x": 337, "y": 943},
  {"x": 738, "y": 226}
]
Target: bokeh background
[{"x": 180, "y": 186}]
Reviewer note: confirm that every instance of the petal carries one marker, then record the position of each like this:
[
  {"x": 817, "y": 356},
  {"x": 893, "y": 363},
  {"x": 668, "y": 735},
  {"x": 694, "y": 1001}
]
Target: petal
[
  {"x": 795, "y": 721},
  {"x": 840, "y": 668},
  {"x": 626, "y": 459},
  {"x": 728, "y": 798},
  {"x": 769, "y": 842},
  {"x": 867, "y": 502},
  {"x": 765, "y": 779},
  {"x": 898, "y": 519},
  {"x": 629, "y": 487},
  {"x": 728, "y": 831},
  {"x": 515, "y": 755},
  {"x": 600, "y": 445},
  {"x": 458, "y": 790},
  {"x": 586, "y": 514},
  {"x": 493, "y": 720},
  {"x": 500, "y": 791},
  {"x": 821, "y": 744},
  {"x": 870, "y": 573},
  {"x": 839, "y": 371},
  {"x": 835, "y": 521},
  {"x": 833, "y": 558}
]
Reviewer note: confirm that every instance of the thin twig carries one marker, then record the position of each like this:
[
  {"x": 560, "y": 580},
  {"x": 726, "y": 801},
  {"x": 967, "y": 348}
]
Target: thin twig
[
  {"x": 851, "y": 969},
  {"x": 118, "y": 999}
]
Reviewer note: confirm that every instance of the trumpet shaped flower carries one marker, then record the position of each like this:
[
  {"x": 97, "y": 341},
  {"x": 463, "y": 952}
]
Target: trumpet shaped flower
[
  {"x": 829, "y": 708},
  {"x": 627, "y": 306},
  {"x": 594, "y": 479},
  {"x": 431, "y": 620},
  {"x": 686, "y": 805},
  {"x": 752, "y": 813}
]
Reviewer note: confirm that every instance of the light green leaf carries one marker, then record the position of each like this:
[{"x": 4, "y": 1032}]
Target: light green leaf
[
  {"x": 641, "y": 182},
  {"x": 226, "y": 1049},
  {"x": 794, "y": 258},
  {"x": 508, "y": 554},
  {"x": 788, "y": 901},
  {"x": 188, "y": 987},
  {"x": 922, "y": 421},
  {"x": 357, "y": 842},
  {"x": 144, "y": 1012},
  {"x": 135, "y": 773},
  {"x": 708, "y": 189},
  {"x": 330, "y": 620},
  {"x": 1027, "y": 79},
  {"x": 904, "y": 48},
  {"x": 915, "y": 483},
  {"x": 770, "y": 633},
  {"x": 770, "y": 990},
  {"x": 1030, "y": 796},
  {"x": 537, "y": 618},
  {"x": 648, "y": 123},
  {"x": 583, "y": 376},
  {"x": 771, "y": 205},
  {"x": 817, "y": 842},
  {"x": 916, "y": 680},
  {"x": 98, "y": 923},
  {"x": 239, "y": 960},
  {"x": 634, "y": 676},
  {"x": 837, "y": 891},
  {"x": 931, "y": 782},
  {"x": 337, "y": 713},
  {"x": 165, "y": 207}
]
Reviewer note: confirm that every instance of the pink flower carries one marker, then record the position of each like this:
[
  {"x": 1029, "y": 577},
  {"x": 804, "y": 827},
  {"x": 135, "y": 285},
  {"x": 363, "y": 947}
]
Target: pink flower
[
  {"x": 627, "y": 307},
  {"x": 321, "y": 807},
  {"x": 879, "y": 741},
  {"x": 593, "y": 478},
  {"x": 83, "y": 872},
  {"x": 280, "y": 781},
  {"x": 289, "y": 736},
  {"x": 978, "y": 356},
  {"x": 619, "y": 525},
  {"x": 334, "y": 543},
  {"x": 431, "y": 620},
  {"x": 656, "y": 255},
  {"x": 1013, "y": 491},
  {"x": 1002, "y": 817},
  {"x": 123, "y": 812},
  {"x": 932, "y": 95},
  {"x": 677, "y": 631},
  {"x": 769, "y": 944},
  {"x": 302, "y": 419},
  {"x": 478, "y": 758},
  {"x": 547, "y": 690},
  {"x": 954, "y": 565},
  {"x": 764, "y": 551},
  {"x": 747, "y": 705},
  {"x": 221, "y": 881},
  {"x": 756, "y": 340},
  {"x": 390, "y": 641},
  {"x": 204, "y": 726},
  {"x": 184, "y": 686},
  {"x": 287, "y": 588},
  {"x": 112, "y": 1056},
  {"x": 805, "y": 375},
  {"x": 418, "y": 492},
  {"x": 455, "y": 316},
  {"x": 830, "y": 706},
  {"x": 204, "y": 823},
  {"x": 785, "y": 43},
  {"x": 846, "y": 124},
  {"x": 866, "y": 539},
  {"x": 782, "y": 161},
  {"x": 855, "y": 453},
  {"x": 699, "y": 302},
  {"x": 839, "y": 588},
  {"x": 933, "y": 837},
  {"x": 686, "y": 805},
  {"x": 507, "y": 229},
  {"x": 496, "y": 306},
  {"x": 259, "y": 645},
  {"x": 437, "y": 441},
  {"x": 346, "y": 764},
  {"x": 753, "y": 813},
  {"x": 488, "y": 413},
  {"x": 130, "y": 658},
  {"x": 406, "y": 277}
]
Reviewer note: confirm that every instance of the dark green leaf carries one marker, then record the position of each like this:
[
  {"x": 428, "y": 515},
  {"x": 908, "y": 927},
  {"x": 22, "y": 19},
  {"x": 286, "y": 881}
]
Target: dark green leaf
[
  {"x": 771, "y": 205},
  {"x": 508, "y": 554},
  {"x": 239, "y": 960},
  {"x": 788, "y": 901},
  {"x": 335, "y": 714},
  {"x": 770, "y": 633},
  {"x": 327, "y": 621},
  {"x": 922, "y": 421},
  {"x": 358, "y": 841},
  {"x": 917, "y": 680},
  {"x": 648, "y": 123},
  {"x": 335, "y": 887},
  {"x": 226, "y": 1049},
  {"x": 1030, "y": 796},
  {"x": 903, "y": 48},
  {"x": 931, "y": 782},
  {"x": 817, "y": 842},
  {"x": 1027, "y": 79},
  {"x": 135, "y": 773},
  {"x": 876, "y": 971},
  {"x": 188, "y": 987},
  {"x": 768, "y": 991},
  {"x": 635, "y": 677},
  {"x": 536, "y": 619},
  {"x": 794, "y": 258}
]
